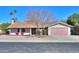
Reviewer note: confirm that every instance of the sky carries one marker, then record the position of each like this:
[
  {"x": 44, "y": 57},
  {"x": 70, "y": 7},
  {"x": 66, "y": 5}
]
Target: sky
[{"x": 59, "y": 12}]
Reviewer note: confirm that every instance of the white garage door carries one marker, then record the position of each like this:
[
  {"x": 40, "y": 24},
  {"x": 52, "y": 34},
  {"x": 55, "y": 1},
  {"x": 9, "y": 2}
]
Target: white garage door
[{"x": 59, "y": 31}]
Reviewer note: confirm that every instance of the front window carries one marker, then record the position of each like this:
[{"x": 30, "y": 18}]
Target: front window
[
  {"x": 13, "y": 30},
  {"x": 23, "y": 29}
]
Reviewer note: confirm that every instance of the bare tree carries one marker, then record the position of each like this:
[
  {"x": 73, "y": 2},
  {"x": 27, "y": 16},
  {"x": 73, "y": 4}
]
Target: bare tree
[{"x": 40, "y": 17}]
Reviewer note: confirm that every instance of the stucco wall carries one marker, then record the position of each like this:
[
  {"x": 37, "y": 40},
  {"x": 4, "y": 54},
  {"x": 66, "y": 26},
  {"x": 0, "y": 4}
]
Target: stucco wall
[
  {"x": 15, "y": 32},
  {"x": 12, "y": 33}
]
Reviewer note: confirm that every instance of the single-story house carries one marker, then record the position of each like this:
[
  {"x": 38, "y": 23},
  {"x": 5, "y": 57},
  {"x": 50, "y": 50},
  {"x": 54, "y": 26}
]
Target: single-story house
[{"x": 30, "y": 28}]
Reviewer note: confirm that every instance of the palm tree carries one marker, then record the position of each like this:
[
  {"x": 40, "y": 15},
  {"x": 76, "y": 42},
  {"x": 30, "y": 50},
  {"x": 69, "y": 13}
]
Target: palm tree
[{"x": 13, "y": 13}]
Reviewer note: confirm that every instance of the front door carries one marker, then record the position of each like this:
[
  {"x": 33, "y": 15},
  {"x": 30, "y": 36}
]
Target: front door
[
  {"x": 17, "y": 33},
  {"x": 33, "y": 31}
]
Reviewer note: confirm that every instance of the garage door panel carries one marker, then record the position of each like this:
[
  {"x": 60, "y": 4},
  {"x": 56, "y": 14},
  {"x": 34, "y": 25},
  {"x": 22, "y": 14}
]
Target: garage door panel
[{"x": 59, "y": 31}]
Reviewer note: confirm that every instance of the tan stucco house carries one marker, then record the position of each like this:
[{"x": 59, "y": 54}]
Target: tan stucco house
[{"x": 29, "y": 28}]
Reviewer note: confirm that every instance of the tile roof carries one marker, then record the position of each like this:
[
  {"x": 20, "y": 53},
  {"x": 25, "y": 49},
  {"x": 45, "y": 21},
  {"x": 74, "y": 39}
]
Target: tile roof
[
  {"x": 25, "y": 25},
  {"x": 33, "y": 25}
]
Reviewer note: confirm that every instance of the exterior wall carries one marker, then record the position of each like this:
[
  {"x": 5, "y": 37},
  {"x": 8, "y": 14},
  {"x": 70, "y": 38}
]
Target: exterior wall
[
  {"x": 69, "y": 31},
  {"x": 27, "y": 31},
  {"x": 12, "y": 31},
  {"x": 49, "y": 31},
  {"x": 63, "y": 30},
  {"x": 26, "y": 34},
  {"x": 15, "y": 32}
]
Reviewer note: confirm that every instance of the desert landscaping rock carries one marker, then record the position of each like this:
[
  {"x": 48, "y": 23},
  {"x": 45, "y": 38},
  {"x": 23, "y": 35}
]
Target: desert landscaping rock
[{"x": 8, "y": 38}]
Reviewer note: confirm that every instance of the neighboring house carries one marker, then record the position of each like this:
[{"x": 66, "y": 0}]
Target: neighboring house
[
  {"x": 29, "y": 28},
  {"x": 1, "y": 31}
]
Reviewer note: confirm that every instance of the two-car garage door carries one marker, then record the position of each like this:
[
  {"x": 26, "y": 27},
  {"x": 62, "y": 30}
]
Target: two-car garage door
[{"x": 59, "y": 31}]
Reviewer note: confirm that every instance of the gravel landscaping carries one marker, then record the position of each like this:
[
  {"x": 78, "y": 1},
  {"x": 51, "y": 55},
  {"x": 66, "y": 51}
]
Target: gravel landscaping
[{"x": 8, "y": 38}]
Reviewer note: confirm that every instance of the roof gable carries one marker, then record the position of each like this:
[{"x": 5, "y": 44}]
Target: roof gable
[{"x": 61, "y": 23}]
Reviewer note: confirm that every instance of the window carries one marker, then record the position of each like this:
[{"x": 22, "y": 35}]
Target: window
[{"x": 23, "y": 29}]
